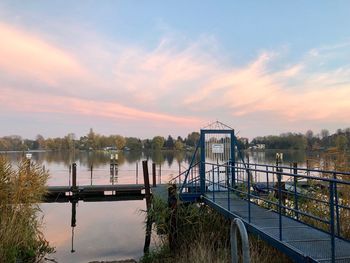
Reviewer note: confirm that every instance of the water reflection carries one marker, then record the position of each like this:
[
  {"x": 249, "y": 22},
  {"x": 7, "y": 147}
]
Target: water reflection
[
  {"x": 95, "y": 231},
  {"x": 110, "y": 230}
]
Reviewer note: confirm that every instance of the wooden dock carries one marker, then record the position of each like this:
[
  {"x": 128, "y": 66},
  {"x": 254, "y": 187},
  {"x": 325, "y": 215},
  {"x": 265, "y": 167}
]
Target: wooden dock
[
  {"x": 91, "y": 193},
  {"x": 95, "y": 193}
]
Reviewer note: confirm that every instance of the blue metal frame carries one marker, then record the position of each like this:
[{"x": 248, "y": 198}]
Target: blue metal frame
[
  {"x": 232, "y": 160},
  {"x": 235, "y": 169}
]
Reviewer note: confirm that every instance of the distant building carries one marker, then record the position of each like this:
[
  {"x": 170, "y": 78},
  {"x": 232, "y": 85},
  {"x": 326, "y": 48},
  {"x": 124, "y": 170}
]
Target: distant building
[
  {"x": 257, "y": 147},
  {"x": 260, "y": 146}
]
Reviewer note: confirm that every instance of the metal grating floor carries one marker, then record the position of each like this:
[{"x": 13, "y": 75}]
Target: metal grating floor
[{"x": 302, "y": 239}]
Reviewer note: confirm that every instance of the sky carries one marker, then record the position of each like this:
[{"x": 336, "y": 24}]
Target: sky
[{"x": 146, "y": 68}]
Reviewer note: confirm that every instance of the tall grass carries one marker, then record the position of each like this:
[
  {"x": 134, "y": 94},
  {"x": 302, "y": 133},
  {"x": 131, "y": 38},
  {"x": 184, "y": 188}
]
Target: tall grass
[
  {"x": 21, "y": 189},
  {"x": 203, "y": 235}
]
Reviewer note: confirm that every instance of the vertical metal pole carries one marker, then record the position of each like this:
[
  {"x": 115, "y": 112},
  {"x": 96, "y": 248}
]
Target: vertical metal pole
[
  {"x": 202, "y": 168},
  {"x": 213, "y": 183},
  {"x": 279, "y": 203},
  {"x": 154, "y": 177},
  {"x": 296, "y": 206},
  {"x": 331, "y": 210},
  {"x": 255, "y": 175},
  {"x": 267, "y": 178},
  {"x": 228, "y": 196},
  {"x": 336, "y": 204},
  {"x": 248, "y": 173},
  {"x": 233, "y": 159}
]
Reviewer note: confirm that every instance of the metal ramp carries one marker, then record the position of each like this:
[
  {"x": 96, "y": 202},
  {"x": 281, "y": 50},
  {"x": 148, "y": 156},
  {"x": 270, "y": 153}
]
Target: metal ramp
[{"x": 300, "y": 211}]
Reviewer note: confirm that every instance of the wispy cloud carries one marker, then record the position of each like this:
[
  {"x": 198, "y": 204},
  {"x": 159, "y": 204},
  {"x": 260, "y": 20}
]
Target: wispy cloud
[
  {"x": 25, "y": 55},
  {"x": 181, "y": 83}
]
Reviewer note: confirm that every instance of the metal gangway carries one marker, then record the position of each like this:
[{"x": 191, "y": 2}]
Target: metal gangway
[{"x": 304, "y": 213}]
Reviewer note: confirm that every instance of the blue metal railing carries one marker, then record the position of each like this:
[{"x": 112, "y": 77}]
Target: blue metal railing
[{"x": 306, "y": 187}]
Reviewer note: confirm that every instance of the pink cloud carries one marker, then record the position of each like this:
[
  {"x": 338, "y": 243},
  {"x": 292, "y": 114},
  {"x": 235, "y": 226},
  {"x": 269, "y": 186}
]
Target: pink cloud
[
  {"x": 117, "y": 82},
  {"x": 23, "y": 101},
  {"x": 26, "y": 55}
]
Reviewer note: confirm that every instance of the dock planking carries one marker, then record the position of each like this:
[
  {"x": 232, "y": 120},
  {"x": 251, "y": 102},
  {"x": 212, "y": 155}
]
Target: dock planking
[{"x": 120, "y": 192}]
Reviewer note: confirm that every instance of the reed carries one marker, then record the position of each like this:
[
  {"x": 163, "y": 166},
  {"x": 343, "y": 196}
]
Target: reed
[
  {"x": 21, "y": 189},
  {"x": 203, "y": 235}
]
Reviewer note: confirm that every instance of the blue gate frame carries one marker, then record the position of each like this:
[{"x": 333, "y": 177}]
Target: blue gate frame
[{"x": 232, "y": 160}]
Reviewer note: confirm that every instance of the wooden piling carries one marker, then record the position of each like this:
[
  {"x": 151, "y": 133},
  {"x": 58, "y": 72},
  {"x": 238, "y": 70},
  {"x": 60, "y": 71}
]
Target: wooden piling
[
  {"x": 172, "y": 204},
  {"x": 147, "y": 185},
  {"x": 74, "y": 176},
  {"x": 154, "y": 176},
  {"x": 148, "y": 205},
  {"x": 137, "y": 172}
]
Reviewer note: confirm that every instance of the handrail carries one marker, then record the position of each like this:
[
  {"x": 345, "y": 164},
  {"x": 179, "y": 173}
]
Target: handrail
[
  {"x": 189, "y": 168},
  {"x": 291, "y": 174},
  {"x": 299, "y": 168},
  {"x": 238, "y": 224}
]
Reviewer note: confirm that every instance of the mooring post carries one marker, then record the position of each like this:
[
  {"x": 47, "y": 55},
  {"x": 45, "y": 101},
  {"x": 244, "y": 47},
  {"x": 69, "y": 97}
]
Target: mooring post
[
  {"x": 147, "y": 185},
  {"x": 69, "y": 175},
  {"x": 137, "y": 172},
  {"x": 172, "y": 204},
  {"x": 74, "y": 177},
  {"x": 91, "y": 168},
  {"x": 73, "y": 222},
  {"x": 148, "y": 205},
  {"x": 154, "y": 176}
]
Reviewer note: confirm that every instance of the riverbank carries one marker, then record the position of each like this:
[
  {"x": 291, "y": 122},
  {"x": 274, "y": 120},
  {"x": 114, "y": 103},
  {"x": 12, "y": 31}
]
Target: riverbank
[{"x": 201, "y": 235}]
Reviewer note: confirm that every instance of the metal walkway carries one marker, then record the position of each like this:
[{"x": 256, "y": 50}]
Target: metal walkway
[
  {"x": 300, "y": 241},
  {"x": 302, "y": 212}
]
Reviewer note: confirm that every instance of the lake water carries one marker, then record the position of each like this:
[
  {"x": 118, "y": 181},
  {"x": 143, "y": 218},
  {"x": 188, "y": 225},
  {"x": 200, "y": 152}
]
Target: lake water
[{"x": 110, "y": 230}]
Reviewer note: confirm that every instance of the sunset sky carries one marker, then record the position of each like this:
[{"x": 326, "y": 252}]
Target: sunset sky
[{"x": 145, "y": 68}]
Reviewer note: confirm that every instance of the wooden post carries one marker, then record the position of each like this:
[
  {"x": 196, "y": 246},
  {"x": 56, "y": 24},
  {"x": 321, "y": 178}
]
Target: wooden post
[
  {"x": 137, "y": 172},
  {"x": 70, "y": 172},
  {"x": 147, "y": 185},
  {"x": 91, "y": 168},
  {"x": 73, "y": 222},
  {"x": 74, "y": 176},
  {"x": 154, "y": 176},
  {"x": 172, "y": 204},
  {"x": 148, "y": 205}
]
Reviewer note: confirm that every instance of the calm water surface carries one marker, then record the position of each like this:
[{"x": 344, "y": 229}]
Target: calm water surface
[{"x": 110, "y": 230}]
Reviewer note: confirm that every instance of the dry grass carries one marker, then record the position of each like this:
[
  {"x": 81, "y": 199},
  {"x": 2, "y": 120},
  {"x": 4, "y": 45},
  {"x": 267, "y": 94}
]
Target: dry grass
[
  {"x": 21, "y": 189},
  {"x": 202, "y": 236}
]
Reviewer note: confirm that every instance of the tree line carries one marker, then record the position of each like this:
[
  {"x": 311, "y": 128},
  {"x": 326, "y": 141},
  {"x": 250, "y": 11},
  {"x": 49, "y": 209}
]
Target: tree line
[
  {"x": 94, "y": 141},
  {"x": 308, "y": 141}
]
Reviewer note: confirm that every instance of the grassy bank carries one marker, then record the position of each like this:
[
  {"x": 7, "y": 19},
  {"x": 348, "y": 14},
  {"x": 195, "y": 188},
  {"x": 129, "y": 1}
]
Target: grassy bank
[
  {"x": 203, "y": 235},
  {"x": 21, "y": 189}
]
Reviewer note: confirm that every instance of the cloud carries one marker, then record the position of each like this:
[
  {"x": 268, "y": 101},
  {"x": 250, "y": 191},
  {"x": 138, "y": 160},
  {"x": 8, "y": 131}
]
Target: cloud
[
  {"x": 183, "y": 83},
  {"x": 25, "y": 55},
  {"x": 83, "y": 107}
]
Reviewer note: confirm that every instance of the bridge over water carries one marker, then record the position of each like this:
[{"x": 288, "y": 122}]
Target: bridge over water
[{"x": 302, "y": 212}]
